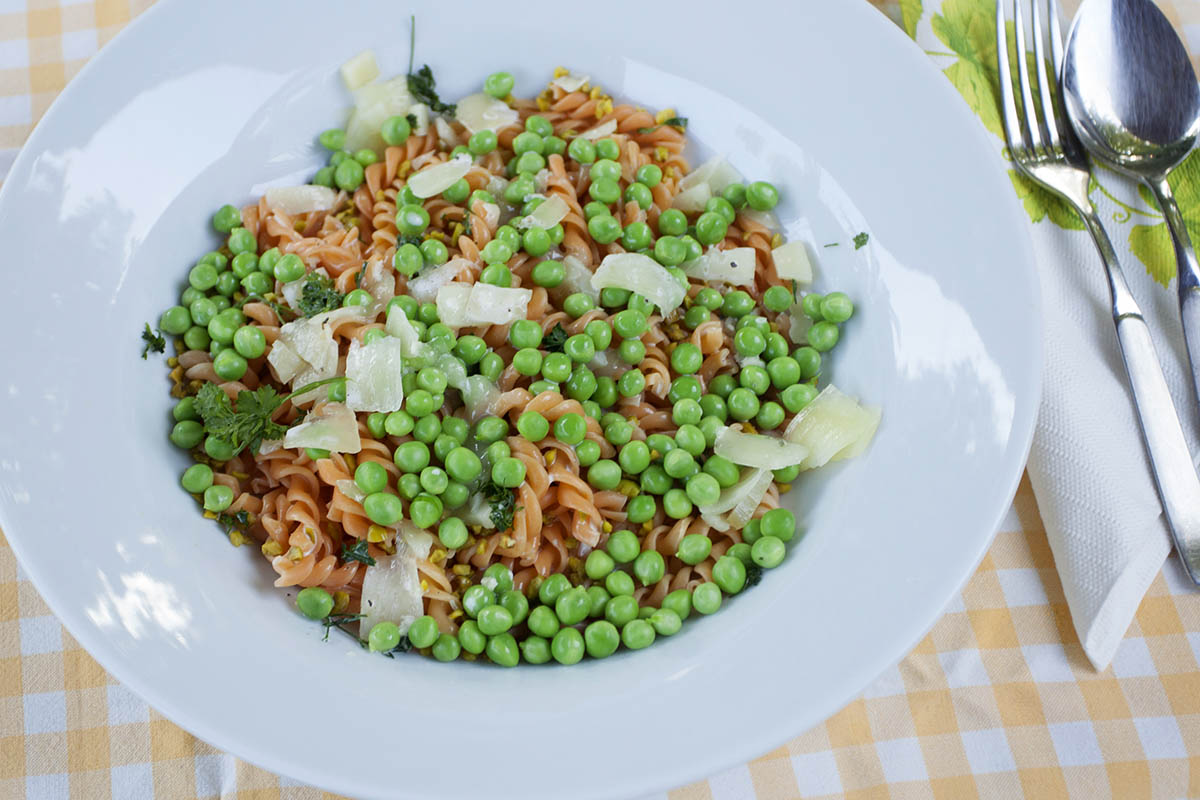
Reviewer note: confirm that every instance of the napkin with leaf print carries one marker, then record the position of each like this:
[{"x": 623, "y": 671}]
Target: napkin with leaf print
[{"x": 1088, "y": 466}]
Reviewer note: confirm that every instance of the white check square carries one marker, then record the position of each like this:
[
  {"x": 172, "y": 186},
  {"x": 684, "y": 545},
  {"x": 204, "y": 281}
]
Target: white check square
[{"x": 817, "y": 773}]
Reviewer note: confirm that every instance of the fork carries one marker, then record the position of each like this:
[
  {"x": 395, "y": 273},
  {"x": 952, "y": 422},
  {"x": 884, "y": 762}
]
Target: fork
[{"x": 1046, "y": 150}]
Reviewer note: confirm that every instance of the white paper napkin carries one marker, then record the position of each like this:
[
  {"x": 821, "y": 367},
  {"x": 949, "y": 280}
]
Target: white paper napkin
[{"x": 1088, "y": 465}]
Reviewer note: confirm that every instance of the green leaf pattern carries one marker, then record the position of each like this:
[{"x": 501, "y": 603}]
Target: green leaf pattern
[{"x": 967, "y": 29}]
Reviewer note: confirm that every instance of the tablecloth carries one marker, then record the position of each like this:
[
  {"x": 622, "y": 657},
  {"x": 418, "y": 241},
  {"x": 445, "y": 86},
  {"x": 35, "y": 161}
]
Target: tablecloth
[{"x": 997, "y": 701}]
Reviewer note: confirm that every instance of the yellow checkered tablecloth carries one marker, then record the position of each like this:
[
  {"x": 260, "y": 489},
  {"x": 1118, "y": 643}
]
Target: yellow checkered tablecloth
[{"x": 998, "y": 701}]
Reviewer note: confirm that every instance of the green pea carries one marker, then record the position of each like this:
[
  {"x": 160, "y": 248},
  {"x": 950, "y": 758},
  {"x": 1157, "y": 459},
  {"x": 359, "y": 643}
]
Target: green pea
[
  {"x": 498, "y": 84},
  {"x": 552, "y": 587},
  {"x": 810, "y": 304},
  {"x": 226, "y": 218},
  {"x": 604, "y": 228},
  {"x": 508, "y": 472},
  {"x": 706, "y": 598},
  {"x": 409, "y": 485},
  {"x": 598, "y": 565},
  {"x": 755, "y": 378},
  {"x": 533, "y": 426},
  {"x": 604, "y": 475},
  {"x": 203, "y": 277},
  {"x": 787, "y": 474},
  {"x": 743, "y": 404},
  {"x": 780, "y": 523},
  {"x": 553, "y": 145},
  {"x": 384, "y": 636},
  {"x": 721, "y": 207},
  {"x": 618, "y": 432},
  {"x": 676, "y": 504},
  {"x": 185, "y": 409},
  {"x": 371, "y": 477},
  {"x": 582, "y": 150},
  {"x": 649, "y": 567},
  {"x": 535, "y": 650},
  {"x": 530, "y": 163},
  {"x": 679, "y": 463},
  {"x": 601, "y": 638},
  {"x": 822, "y": 336},
  {"x": 634, "y": 457},
  {"x": 703, "y": 489},
  {"x": 711, "y": 228},
  {"x": 502, "y": 649},
  {"x": 227, "y": 283},
  {"x": 761, "y": 196},
  {"x": 383, "y": 508},
  {"x": 753, "y": 531},
  {"x": 493, "y": 620},
  {"x": 348, "y": 175},
  {"x": 197, "y": 478},
  {"x": 637, "y": 634},
  {"x": 749, "y": 342},
  {"x": 411, "y": 219},
  {"x": 784, "y": 371},
  {"x": 684, "y": 386},
  {"x": 669, "y": 251},
  {"x": 655, "y": 480},
  {"x": 289, "y": 268},
  {"x": 518, "y": 190},
  {"x": 649, "y": 174},
  {"x": 395, "y": 130},
  {"x": 636, "y": 236},
  {"x": 197, "y": 338},
  {"x": 452, "y": 533},
  {"x": 572, "y": 606},
  {"x": 639, "y": 193},
  {"x": 446, "y": 647},
  {"x": 768, "y": 552},
  {"x": 412, "y": 456},
  {"x": 665, "y": 622},
  {"x": 365, "y": 157},
  {"x": 632, "y": 351},
  {"x": 777, "y": 298},
  {"x": 567, "y": 646},
  {"x": 631, "y": 383},
  {"x": 543, "y": 622},
  {"x": 623, "y": 546},
  {"x": 608, "y": 148},
  {"x": 570, "y": 428},
  {"x": 680, "y": 602},
  {"x": 316, "y": 453},
  {"x": 314, "y": 602},
  {"x": 686, "y": 358},
  {"x": 770, "y": 416},
  {"x": 243, "y": 264},
  {"x": 491, "y": 365},
  {"x": 434, "y": 480},
  {"x": 588, "y": 453},
  {"x": 621, "y": 609},
  {"x": 729, "y": 573},
  {"x": 672, "y": 222},
  {"x": 471, "y": 638},
  {"x": 218, "y": 449},
  {"x": 476, "y": 598},
  {"x": 333, "y": 139},
  {"x": 323, "y": 177},
  {"x": 696, "y": 316},
  {"x": 582, "y": 384},
  {"x": 481, "y": 142},
  {"x": 640, "y": 509},
  {"x": 187, "y": 434},
  {"x": 694, "y": 548},
  {"x": 737, "y": 304},
  {"x": 605, "y": 168},
  {"x": 491, "y": 429},
  {"x": 456, "y": 495},
  {"x": 423, "y": 632}
]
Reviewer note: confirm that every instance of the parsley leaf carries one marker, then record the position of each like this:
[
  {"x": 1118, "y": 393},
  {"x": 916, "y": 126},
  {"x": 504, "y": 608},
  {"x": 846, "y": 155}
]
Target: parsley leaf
[
  {"x": 235, "y": 522},
  {"x": 413, "y": 238},
  {"x": 423, "y": 87},
  {"x": 250, "y": 423},
  {"x": 358, "y": 552},
  {"x": 554, "y": 340},
  {"x": 860, "y": 240},
  {"x": 832, "y": 244},
  {"x": 674, "y": 122},
  {"x": 339, "y": 621},
  {"x": 318, "y": 295},
  {"x": 412, "y": 120},
  {"x": 753, "y": 575},
  {"x": 503, "y": 504},
  {"x": 155, "y": 343}
]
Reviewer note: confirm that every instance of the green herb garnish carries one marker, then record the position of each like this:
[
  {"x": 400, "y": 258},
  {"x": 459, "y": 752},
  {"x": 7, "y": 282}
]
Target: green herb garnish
[
  {"x": 832, "y": 244},
  {"x": 503, "y": 504},
  {"x": 861, "y": 240},
  {"x": 235, "y": 522},
  {"x": 284, "y": 313},
  {"x": 317, "y": 295},
  {"x": 412, "y": 120},
  {"x": 358, "y": 552},
  {"x": 423, "y": 87},
  {"x": 414, "y": 239},
  {"x": 674, "y": 122},
  {"x": 155, "y": 343},
  {"x": 340, "y": 621},
  {"x": 753, "y": 575},
  {"x": 250, "y": 423},
  {"x": 554, "y": 340}
]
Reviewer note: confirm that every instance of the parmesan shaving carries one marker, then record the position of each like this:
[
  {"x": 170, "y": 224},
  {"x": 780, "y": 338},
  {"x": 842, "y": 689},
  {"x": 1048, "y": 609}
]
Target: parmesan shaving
[
  {"x": 434, "y": 180},
  {"x": 373, "y": 375},
  {"x": 424, "y": 287},
  {"x": 391, "y": 590},
  {"x": 792, "y": 262},
  {"x": 834, "y": 426},
  {"x": 734, "y": 266},
  {"x": 692, "y": 200},
  {"x": 350, "y": 489},
  {"x": 571, "y": 82},
  {"x": 641, "y": 274},
  {"x": 716, "y": 173},
  {"x": 756, "y": 450},
  {"x": 479, "y": 112},
  {"x": 293, "y": 200},
  {"x": 374, "y": 103},
  {"x": 331, "y": 427},
  {"x": 360, "y": 70},
  {"x": 600, "y": 131},
  {"x": 462, "y": 305},
  {"x": 551, "y": 212}
]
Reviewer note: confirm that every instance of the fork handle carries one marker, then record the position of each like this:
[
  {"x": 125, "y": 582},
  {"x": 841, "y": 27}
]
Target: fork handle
[
  {"x": 1170, "y": 461},
  {"x": 1188, "y": 271}
]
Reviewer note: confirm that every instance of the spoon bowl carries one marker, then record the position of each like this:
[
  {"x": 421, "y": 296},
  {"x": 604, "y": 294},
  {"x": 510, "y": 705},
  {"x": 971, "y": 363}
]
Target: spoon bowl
[{"x": 1129, "y": 87}]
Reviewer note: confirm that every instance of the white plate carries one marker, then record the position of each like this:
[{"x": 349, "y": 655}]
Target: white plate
[{"x": 107, "y": 206}]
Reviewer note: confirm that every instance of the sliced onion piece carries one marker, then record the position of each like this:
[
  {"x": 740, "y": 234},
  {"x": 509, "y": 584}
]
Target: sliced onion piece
[
  {"x": 547, "y": 215},
  {"x": 600, "y": 131},
  {"x": 480, "y": 112},
  {"x": 350, "y": 489},
  {"x": 792, "y": 262},
  {"x": 571, "y": 82},
  {"x": 301, "y": 199},
  {"x": 641, "y": 274},
  {"x": 833, "y": 426},
  {"x": 756, "y": 450},
  {"x": 716, "y": 173},
  {"x": 391, "y": 590},
  {"x": 360, "y": 70},
  {"x": 692, "y": 200},
  {"x": 734, "y": 266},
  {"x": 424, "y": 287},
  {"x": 373, "y": 375},
  {"x": 331, "y": 427},
  {"x": 434, "y": 180}
]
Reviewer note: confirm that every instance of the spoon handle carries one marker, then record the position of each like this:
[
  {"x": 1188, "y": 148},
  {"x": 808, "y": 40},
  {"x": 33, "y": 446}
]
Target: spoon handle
[
  {"x": 1170, "y": 460},
  {"x": 1188, "y": 272}
]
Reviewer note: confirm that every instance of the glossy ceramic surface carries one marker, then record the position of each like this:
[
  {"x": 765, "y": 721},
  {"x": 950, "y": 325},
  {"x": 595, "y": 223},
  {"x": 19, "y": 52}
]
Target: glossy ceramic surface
[{"x": 107, "y": 207}]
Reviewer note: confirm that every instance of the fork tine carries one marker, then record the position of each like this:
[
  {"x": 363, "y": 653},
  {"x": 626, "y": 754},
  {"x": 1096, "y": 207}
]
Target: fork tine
[
  {"x": 1012, "y": 122},
  {"x": 1031, "y": 118},
  {"x": 1049, "y": 117}
]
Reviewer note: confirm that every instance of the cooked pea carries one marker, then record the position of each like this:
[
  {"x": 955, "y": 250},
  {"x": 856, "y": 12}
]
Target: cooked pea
[{"x": 706, "y": 598}]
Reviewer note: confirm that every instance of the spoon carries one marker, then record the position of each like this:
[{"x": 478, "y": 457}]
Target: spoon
[{"x": 1134, "y": 102}]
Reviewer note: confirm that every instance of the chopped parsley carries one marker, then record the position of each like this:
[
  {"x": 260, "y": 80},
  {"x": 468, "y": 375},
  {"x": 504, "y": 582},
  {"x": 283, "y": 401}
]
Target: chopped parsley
[
  {"x": 415, "y": 239},
  {"x": 674, "y": 122},
  {"x": 832, "y": 244},
  {"x": 250, "y": 422},
  {"x": 753, "y": 575},
  {"x": 554, "y": 340},
  {"x": 423, "y": 87},
  {"x": 155, "y": 343},
  {"x": 503, "y": 504},
  {"x": 860, "y": 240},
  {"x": 317, "y": 295},
  {"x": 339, "y": 621},
  {"x": 358, "y": 552},
  {"x": 412, "y": 120},
  {"x": 235, "y": 522}
]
